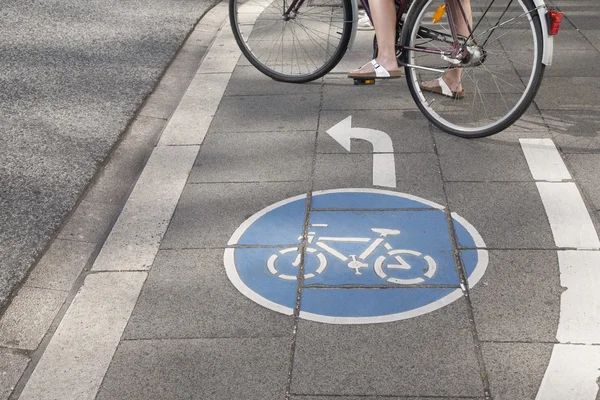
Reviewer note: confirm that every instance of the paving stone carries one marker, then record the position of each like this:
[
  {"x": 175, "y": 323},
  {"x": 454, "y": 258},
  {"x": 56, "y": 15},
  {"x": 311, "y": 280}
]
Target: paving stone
[
  {"x": 574, "y": 40},
  {"x": 518, "y": 298},
  {"x": 478, "y": 160},
  {"x": 12, "y": 365},
  {"x": 408, "y": 129},
  {"x": 341, "y": 94},
  {"x": 586, "y": 170},
  {"x": 416, "y": 173},
  {"x": 515, "y": 370},
  {"x": 188, "y": 295},
  {"x": 568, "y": 62},
  {"x": 235, "y": 369},
  {"x": 256, "y": 156},
  {"x": 303, "y": 397},
  {"x": 574, "y": 131},
  {"x": 91, "y": 222},
  {"x": 266, "y": 113},
  {"x": 249, "y": 81},
  {"x": 568, "y": 93},
  {"x": 208, "y": 214},
  {"x": 507, "y": 215},
  {"x": 61, "y": 265},
  {"x": 593, "y": 35},
  {"x": 431, "y": 355},
  {"x": 29, "y": 316}
]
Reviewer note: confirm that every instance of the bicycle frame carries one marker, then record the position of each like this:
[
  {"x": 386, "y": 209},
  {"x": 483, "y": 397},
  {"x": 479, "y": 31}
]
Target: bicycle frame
[{"x": 541, "y": 8}]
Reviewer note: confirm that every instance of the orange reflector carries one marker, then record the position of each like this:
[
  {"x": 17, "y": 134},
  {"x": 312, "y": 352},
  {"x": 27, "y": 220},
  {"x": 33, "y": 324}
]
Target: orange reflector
[
  {"x": 437, "y": 15},
  {"x": 554, "y": 20}
]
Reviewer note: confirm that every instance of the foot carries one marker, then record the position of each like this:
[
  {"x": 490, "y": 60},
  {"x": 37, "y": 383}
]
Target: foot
[
  {"x": 369, "y": 68},
  {"x": 443, "y": 87}
]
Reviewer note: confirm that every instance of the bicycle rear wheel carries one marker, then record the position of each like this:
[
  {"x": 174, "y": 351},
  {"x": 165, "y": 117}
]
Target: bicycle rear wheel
[
  {"x": 292, "y": 46},
  {"x": 501, "y": 70}
]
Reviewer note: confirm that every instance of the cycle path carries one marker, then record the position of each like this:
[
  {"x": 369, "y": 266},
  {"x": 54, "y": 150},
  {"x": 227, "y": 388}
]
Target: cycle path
[{"x": 188, "y": 298}]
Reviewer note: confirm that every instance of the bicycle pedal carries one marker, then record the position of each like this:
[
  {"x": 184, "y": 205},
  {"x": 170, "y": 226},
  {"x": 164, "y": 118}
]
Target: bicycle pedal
[{"x": 364, "y": 81}]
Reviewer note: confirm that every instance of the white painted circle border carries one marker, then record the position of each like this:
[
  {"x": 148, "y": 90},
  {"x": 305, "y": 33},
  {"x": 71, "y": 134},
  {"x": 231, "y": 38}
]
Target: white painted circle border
[{"x": 232, "y": 274}]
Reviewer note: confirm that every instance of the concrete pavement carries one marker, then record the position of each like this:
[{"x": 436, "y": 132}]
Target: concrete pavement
[{"x": 158, "y": 311}]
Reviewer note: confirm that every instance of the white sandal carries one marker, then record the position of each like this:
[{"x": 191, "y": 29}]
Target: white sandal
[{"x": 378, "y": 73}]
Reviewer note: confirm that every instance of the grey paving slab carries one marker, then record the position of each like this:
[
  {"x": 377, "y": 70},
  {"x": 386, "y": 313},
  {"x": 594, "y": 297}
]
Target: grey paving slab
[
  {"x": 267, "y": 113},
  {"x": 12, "y": 365},
  {"x": 567, "y": 62},
  {"x": 188, "y": 295},
  {"x": 568, "y": 93},
  {"x": 518, "y": 298},
  {"x": 515, "y": 370},
  {"x": 574, "y": 40},
  {"x": 342, "y": 94},
  {"x": 574, "y": 131},
  {"x": 481, "y": 160},
  {"x": 86, "y": 338},
  {"x": 508, "y": 215},
  {"x": 208, "y": 214},
  {"x": 249, "y": 81},
  {"x": 255, "y": 156},
  {"x": 586, "y": 172},
  {"x": 431, "y": 355},
  {"x": 29, "y": 316},
  {"x": 303, "y": 397},
  {"x": 408, "y": 129},
  {"x": 91, "y": 222},
  {"x": 236, "y": 369},
  {"x": 61, "y": 265},
  {"x": 593, "y": 35},
  {"x": 416, "y": 173}
]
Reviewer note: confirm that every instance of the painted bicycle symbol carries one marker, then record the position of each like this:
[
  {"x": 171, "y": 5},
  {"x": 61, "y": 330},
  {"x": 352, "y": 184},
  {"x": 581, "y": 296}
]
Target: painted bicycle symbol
[{"x": 394, "y": 261}]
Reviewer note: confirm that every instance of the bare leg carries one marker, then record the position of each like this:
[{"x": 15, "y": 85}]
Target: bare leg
[
  {"x": 453, "y": 77},
  {"x": 383, "y": 13}
]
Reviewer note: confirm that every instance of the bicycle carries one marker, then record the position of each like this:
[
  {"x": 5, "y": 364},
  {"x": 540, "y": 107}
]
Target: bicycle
[
  {"x": 503, "y": 59},
  {"x": 393, "y": 262}
]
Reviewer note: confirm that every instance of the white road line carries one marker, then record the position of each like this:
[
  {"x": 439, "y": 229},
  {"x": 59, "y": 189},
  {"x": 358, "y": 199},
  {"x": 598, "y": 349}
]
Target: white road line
[
  {"x": 80, "y": 351},
  {"x": 579, "y": 304},
  {"x": 78, "y": 355},
  {"x": 574, "y": 364},
  {"x": 545, "y": 163},
  {"x": 572, "y": 373},
  {"x": 569, "y": 219}
]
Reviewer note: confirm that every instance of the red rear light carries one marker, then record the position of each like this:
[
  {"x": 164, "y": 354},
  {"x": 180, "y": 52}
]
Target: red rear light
[{"x": 554, "y": 20}]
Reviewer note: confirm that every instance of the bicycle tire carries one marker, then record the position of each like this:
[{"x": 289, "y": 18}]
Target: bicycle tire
[
  {"x": 499, "y": 86},
  {"x": 296, "y": 49}
]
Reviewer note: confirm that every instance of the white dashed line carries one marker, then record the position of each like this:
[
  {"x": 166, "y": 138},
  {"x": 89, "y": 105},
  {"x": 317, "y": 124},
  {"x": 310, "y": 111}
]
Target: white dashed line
[{"x": 575, "y": 362}]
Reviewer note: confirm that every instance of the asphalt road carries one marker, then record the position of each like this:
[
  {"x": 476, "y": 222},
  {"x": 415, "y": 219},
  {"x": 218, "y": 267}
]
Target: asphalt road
[{"x": 73, "y": 74}]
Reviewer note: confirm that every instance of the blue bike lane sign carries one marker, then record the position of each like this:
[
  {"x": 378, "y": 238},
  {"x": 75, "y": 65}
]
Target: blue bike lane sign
[{"x": 353, "y": 256}]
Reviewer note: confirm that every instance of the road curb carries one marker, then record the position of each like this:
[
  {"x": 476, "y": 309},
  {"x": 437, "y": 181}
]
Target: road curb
[{"x": 35, "y": 312}]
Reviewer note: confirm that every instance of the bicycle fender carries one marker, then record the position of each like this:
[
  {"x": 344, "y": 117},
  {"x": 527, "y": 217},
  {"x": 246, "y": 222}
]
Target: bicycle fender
[
  {"x": 548, "y": 49},
  {"x": 354, "y": 23}
]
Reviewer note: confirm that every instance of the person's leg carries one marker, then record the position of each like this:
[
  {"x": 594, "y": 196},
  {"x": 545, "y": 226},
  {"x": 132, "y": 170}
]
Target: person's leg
[
  {"x": 454, "y": 76},
  {"x": 383, "y": 13}
]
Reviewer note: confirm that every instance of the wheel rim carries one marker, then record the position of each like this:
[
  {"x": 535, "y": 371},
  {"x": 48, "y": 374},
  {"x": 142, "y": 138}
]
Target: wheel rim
[
  {"x": 497, "y": 90},
  {"x": 298, "y": 46}
]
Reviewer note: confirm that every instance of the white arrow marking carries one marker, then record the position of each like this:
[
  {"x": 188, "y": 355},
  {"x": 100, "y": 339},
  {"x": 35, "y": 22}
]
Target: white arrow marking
[{"x": 384, "y": 168}]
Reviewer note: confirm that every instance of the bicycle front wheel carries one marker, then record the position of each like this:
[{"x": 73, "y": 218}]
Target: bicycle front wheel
[
  {"x": 292, "y": 41},
  {"x": 499, "y": 64}
]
